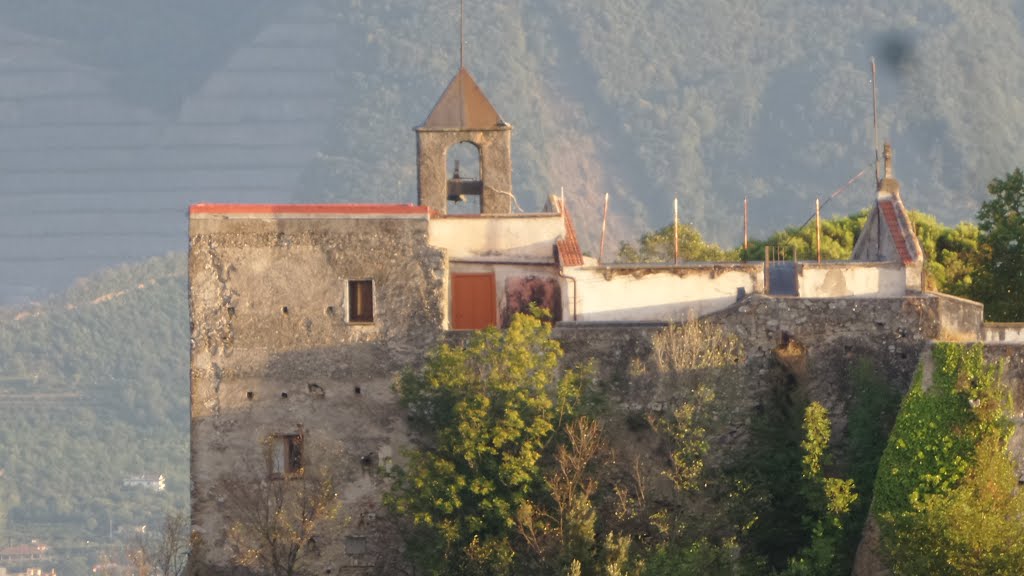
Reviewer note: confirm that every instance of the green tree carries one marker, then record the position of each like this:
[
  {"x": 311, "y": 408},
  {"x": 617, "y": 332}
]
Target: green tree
[
  {"x": 952, "y": 259},
  {"x": 562, "y": 534},
  {"x": 696, "y": 367},
  {"x": 659, "y": 247},
  {"x": 946, "y": 497},
  {"x": 976, "y": 528},
  {"x": 486, "y": 411},
  {"x": 1001, "y": 224},
  {"x": 838, "y": 235},
  {"x": 830, "y": 499}
]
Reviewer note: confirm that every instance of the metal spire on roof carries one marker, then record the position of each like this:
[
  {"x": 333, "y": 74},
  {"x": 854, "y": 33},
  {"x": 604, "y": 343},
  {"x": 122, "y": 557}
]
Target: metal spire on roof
[
  {"x": 874, "y": 112},
  {"x": 462, "y": 34}
]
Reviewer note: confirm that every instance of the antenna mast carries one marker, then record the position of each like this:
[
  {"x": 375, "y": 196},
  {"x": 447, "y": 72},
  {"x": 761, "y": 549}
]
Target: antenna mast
[
  {"x": 462, "y": 43},
  {"x": 874, "y": 112}
]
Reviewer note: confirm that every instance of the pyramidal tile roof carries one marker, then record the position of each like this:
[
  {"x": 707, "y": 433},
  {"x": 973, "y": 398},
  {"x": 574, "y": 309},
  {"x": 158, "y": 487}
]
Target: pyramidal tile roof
[
  {"x": 463, "y": 106},
  {"x": 891, "y": 218}
]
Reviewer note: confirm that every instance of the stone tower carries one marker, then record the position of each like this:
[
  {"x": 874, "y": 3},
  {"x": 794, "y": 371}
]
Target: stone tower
[{"x": 463, "y": 114}]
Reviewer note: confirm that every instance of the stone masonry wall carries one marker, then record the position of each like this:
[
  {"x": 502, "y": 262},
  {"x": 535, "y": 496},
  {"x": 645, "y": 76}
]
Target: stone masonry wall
[
  {"x": 273, "y": 353},
  {"x": 830, "y": 333},
  {"x": 793, "y": 346},
  {"x": 495, "y": 148}
]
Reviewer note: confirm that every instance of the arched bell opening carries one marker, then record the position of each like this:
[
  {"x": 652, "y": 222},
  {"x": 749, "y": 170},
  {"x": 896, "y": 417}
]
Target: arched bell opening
[{"x": 465, "y": 183}]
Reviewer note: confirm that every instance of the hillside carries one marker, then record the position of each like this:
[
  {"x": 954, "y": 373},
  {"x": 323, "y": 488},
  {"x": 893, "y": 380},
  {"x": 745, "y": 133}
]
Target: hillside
[
  {"x": 115, "y": 115},
  {"x": 94, "y": 389}
]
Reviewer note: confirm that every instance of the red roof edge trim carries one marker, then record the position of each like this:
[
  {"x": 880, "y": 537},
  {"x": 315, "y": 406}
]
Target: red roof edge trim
[
  {"x": 569, "y": 253},
  {"x": 382, "y": 209}
]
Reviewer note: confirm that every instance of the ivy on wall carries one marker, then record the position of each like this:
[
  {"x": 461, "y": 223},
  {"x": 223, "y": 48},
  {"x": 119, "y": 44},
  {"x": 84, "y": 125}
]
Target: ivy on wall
[{"x": 946, "y": 495}]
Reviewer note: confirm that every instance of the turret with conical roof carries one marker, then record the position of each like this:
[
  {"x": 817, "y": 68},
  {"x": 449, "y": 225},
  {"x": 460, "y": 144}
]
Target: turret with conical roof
[{"x": 888, "y": 235}]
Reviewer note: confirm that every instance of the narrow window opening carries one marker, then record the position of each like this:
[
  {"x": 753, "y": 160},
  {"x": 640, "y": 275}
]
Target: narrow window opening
[
  {"x": 358, "y": 390},
  {"x": 284, "y": 310},
  {"x": 360, "y": 301},
  {"x": 285, "y": 455}
]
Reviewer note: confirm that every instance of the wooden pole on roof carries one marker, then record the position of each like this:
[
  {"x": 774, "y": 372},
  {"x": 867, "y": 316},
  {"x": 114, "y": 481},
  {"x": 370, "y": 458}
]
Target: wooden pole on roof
[
  {"x": 746, "y": 223},
  {"x": 675, "y": 229},
  {"x": 874, "y": 113},
  {"x": 604, "y": 226},
  {"x": 817, "y": 224}
]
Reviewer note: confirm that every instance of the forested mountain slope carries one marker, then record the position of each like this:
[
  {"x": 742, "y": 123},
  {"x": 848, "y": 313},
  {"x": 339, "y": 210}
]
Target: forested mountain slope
[
  {"x": 94, "y": 389},
  {"x": 115, "y": 114}
]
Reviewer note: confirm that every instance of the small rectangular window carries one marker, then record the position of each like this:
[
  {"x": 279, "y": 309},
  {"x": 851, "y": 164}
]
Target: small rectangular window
[
  {"x": 285, "y": 455},
  {"x": 355, "y": 545},
  {"x": 360, "y": 301}
]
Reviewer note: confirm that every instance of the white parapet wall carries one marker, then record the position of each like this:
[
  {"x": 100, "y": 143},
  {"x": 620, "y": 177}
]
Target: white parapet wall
[
  {"x": 851, "y": 279},
  {"x": 657, "y": 293},
  {"x": 523, "y": 237},
  {"x": 1004, "y": 333}
]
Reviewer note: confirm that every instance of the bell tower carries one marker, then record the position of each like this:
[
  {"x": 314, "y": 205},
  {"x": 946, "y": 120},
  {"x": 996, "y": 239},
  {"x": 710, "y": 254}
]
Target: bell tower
[{"x": 464, "y": 115}]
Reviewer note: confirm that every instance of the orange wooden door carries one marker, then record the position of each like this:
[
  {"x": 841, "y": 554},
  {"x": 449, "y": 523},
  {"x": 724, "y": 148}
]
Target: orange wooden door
[{"x": 474, "y": 301}]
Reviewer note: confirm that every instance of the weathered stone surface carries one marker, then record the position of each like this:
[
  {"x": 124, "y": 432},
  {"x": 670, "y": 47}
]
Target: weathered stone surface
[
  {"x": 495, "y": 148},
  {"x": 273, "y": 352},
  {"x": 868, "y": 561}
]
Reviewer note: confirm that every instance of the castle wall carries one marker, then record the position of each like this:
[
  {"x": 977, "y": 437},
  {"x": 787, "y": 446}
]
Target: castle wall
[
  {"x": 303, "y": 317},
  {"x": 1004, "y": 332},
  {"x": 961, "y": 319},
  {"x": 801, "y": 348},
  {"x": 523, "y": 237},
  {"x": 846, "y": 279},
  {"x": 658, "y": 294},
  {"x": 274, "y": 352},
  {"x": 1012, "y": 357},
  {"x": 662, "y": 293}
]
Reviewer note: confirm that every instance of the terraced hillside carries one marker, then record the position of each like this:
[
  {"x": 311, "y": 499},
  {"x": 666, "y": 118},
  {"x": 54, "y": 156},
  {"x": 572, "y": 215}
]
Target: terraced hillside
[{"x": 115, "y": 114}]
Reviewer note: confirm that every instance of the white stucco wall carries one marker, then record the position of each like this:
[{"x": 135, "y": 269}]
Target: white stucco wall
[
  {"x": 1004, "y": 333},
  {"x": 914, "y": 273},
  {"x": 845, "y": 279},
  {"x": 505, "y": 237},
  {"x": 638, "y": 294}
]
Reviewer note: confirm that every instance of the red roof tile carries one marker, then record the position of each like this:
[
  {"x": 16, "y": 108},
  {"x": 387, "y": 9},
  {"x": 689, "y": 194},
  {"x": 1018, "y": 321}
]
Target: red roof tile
[
  {"x": 569, "y": 253},
  {"x": 893, "y": 224}
]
